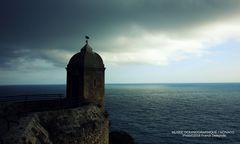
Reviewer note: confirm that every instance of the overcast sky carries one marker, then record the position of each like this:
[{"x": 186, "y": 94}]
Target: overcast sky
[{"x": 140, "y": 41}]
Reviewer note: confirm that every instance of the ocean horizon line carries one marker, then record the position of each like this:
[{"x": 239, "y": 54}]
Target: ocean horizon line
[{"x": 137, "y": 83}]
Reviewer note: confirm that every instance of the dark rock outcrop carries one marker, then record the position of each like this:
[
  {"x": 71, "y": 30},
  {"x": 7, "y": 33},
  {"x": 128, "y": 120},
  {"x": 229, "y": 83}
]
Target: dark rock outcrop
[{"x": 120, "y": 137}]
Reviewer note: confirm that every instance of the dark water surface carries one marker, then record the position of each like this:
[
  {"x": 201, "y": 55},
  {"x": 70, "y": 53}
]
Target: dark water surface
[{"x": 154, "y": 113}]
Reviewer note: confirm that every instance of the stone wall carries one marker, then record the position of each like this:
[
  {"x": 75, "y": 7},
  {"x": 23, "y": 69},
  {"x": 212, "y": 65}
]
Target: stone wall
[{"x": 82, "y": 125}]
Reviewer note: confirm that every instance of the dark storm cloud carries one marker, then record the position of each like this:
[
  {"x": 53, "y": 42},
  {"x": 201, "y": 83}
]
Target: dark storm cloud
[{"x": 29, "y": 27}]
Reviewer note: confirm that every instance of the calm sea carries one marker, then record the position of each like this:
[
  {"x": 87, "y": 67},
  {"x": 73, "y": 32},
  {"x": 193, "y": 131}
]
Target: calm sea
[{"x": 165, "y": 113}]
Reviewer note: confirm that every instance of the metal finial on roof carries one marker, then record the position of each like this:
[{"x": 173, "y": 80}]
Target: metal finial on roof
[{"x": 87, "y": 38}]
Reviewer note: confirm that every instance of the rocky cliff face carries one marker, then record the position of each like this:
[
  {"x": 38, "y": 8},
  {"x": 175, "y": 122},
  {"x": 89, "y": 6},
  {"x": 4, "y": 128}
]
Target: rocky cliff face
[{"x": 82, "y": 125}]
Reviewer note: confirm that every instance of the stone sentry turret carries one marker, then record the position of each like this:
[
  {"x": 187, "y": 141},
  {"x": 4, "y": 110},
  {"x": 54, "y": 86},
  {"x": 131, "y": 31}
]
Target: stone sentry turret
[
  {"x": 55, "y": 121},
  {"x": 85, "y": 77}
]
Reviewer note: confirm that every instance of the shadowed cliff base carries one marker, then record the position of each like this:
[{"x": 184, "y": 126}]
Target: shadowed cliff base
[{"x": 84, "y": 125}]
